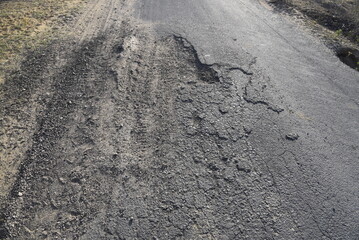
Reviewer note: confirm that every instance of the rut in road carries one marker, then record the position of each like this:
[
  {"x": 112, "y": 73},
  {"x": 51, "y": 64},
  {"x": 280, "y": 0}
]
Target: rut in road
[{"x": 140, "y": 140}]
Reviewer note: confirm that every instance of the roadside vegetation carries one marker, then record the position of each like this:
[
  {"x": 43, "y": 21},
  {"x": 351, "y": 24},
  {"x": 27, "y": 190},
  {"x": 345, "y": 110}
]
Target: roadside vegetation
[
  {"x": 341, "y": 17},
  {"x": 26, "y": 25}
]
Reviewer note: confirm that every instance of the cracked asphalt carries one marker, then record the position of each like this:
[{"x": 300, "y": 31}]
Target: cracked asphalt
[{"x": 204, "y": 119}]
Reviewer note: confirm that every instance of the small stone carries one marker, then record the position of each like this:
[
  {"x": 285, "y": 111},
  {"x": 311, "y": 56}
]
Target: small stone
[
  {"x": 76, "y": 180},
  {"x": 225, "y": 159},
  {"x": 130, "y": 222},
  {"x": 292, "y": 136},
  {"x": 201, "y": 116},
  {"x": 186, "y": 44},
  {"x": 223, "y": 109},
  {"x": 20, "y": 194},
  {"x": 62, "y": 180},
  {"x": 247, "y": 130}
]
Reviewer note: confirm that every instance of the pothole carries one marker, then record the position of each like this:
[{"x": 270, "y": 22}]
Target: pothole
[
  {"x": 349, "y": 56},
  {"x": 205, "y": 71}
]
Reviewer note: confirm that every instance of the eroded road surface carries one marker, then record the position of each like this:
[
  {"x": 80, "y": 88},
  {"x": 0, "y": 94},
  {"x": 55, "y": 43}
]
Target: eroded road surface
[{"x": 206, "y": 119}]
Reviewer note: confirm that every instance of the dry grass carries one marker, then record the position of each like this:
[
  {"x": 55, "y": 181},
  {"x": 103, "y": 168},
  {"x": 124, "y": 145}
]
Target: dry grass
[
  {"x": 340, "y": 16},
  {"x": 26, "y": 25},
  {"x": 351, "y": 7}
]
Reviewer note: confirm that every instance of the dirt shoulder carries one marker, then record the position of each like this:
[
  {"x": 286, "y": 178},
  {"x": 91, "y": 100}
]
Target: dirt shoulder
[
  {"x": 30, "y": 85},
  {"x": 27, "y": 29}
]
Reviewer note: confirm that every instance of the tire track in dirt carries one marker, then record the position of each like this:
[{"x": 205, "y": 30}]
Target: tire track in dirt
[{"x": 25, "y": 96}]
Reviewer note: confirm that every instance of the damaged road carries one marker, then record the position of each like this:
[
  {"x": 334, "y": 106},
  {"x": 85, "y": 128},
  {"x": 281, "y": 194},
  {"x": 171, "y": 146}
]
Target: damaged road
[{"x": 185, "y": 119}]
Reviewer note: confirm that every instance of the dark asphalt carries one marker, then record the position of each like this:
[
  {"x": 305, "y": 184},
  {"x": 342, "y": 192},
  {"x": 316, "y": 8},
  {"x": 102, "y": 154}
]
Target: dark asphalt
[{"x": 206, "y": 119}]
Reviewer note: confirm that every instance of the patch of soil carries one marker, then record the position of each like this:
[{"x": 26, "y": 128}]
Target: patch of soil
[
  {"x": 19, "y": 97},
  {"x": 349, "y": 56}
]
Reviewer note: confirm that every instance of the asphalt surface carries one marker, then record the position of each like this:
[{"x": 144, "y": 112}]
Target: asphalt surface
[{"x": 204, "y": 119}]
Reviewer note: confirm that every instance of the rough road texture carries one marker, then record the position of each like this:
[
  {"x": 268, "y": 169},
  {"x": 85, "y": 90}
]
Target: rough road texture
[{"x": 133, "y": 135}]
